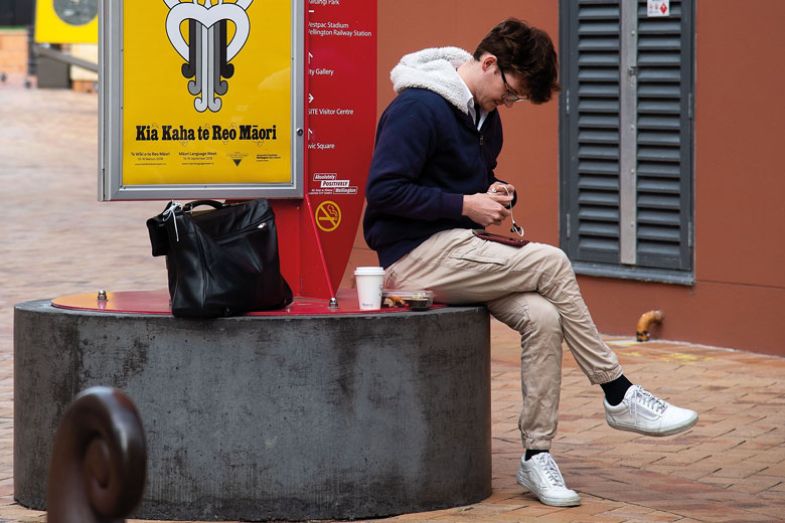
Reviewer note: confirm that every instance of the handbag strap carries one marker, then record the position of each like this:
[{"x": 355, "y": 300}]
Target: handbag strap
[
  {"x": 174, "y": 208},
  {"x": 212, "y": 203}
]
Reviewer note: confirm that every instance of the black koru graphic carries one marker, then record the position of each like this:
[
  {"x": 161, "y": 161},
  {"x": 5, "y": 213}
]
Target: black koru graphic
[{"x": 208, "y": 52}]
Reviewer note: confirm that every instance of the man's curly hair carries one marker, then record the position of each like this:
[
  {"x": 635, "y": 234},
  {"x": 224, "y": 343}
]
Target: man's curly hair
[{"x": 527, "y": 52}]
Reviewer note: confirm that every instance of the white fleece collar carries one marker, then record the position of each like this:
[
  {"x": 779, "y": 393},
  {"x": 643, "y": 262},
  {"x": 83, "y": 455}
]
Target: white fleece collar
[{"x": 435, "y": 69}]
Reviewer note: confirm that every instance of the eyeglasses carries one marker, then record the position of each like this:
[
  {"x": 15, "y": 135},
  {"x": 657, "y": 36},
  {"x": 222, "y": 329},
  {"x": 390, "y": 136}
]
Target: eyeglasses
[{"x": 510, "y": 97}]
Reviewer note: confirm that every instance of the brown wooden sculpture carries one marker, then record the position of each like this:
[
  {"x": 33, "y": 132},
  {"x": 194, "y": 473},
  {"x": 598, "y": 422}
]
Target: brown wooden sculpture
[{"x": 99, "y": 460}]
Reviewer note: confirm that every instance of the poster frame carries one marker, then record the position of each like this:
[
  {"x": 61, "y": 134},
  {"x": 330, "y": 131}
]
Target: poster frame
[{"x": 110, "y": 122}]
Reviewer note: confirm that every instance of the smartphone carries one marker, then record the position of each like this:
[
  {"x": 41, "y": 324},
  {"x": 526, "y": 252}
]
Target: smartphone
[{"x": 498, "y": 238}]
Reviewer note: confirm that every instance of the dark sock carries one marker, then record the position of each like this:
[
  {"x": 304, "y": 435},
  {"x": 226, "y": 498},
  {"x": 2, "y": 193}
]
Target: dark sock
[
  {"x": 532, "y": 452},
  {"x": 615, "y": 390}
]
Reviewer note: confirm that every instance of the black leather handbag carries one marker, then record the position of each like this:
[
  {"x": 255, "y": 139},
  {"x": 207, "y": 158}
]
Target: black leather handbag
[{"x": 220, "y": 262}]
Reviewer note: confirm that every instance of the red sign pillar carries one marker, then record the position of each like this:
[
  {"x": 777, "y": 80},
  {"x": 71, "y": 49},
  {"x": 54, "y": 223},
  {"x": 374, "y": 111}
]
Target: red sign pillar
[{"x": 316, "y": 234}]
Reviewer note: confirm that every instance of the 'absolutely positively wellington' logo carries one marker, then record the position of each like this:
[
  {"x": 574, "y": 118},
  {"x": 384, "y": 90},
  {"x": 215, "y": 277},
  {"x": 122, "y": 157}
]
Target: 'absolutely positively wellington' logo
[{"x": 207, "y": 52}]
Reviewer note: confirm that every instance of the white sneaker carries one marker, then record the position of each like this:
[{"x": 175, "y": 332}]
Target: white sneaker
[
  {"x": 542, "y": 477},
  {"x": 643, "y": 412}
]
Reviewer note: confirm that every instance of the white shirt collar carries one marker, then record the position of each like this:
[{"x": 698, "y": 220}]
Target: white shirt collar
[{"x": 468, "y": 100}]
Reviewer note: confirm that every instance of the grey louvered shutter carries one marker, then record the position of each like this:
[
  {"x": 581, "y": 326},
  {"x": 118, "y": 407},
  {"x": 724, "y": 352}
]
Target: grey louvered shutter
[
  {"x": 664, "y": 195},
  {"x": 593, "y": 130},
  {"x": 626, "y": 173}
]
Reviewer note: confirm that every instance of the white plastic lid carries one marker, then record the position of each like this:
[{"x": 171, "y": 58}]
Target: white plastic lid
[{"x": 369, "y": 271}]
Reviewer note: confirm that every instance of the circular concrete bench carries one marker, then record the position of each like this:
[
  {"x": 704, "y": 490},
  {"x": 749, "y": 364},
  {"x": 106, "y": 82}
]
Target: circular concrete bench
[{"x": 282, "y": 417}]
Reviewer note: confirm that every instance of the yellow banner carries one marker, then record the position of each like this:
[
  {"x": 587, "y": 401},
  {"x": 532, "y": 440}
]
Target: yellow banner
[
  {"x": 207, "y": 92},
  {"x": 66, "y": 22}
]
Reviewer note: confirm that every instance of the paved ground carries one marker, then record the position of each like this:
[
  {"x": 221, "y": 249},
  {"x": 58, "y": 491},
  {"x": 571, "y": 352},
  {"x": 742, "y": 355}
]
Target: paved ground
[{"x": 56, "y": 239}]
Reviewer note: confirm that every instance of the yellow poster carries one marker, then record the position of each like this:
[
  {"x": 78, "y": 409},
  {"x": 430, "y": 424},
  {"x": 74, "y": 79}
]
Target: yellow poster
[
  {"x": 207, "y": 92},
  {"x": 66, "y": 22}
]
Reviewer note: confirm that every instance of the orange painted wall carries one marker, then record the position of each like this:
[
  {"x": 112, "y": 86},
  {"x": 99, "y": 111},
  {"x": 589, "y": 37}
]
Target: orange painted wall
[
  {"x": 738, "y": 299},
  {"x": 529, "y": 160}
]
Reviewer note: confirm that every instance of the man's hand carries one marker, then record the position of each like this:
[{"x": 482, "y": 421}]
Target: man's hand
[
  {"x": 503, "y": 188},
  {"x": 487, "y": 208}
]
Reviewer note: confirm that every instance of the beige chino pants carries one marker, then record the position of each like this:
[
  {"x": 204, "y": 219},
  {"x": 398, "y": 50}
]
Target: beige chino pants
[{"x": 531, "y": 289}]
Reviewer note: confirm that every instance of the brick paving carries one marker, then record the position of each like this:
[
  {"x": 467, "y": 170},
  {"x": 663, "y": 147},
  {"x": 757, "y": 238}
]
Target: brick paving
[{"x": 57, "y": 239}]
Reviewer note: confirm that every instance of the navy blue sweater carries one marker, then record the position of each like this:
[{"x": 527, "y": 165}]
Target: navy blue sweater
[{"x": 428, "y": 155}]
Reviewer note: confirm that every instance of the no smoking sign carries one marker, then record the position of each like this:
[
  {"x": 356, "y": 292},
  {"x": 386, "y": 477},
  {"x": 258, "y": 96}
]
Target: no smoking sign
[{"x": 328, "y": 216}]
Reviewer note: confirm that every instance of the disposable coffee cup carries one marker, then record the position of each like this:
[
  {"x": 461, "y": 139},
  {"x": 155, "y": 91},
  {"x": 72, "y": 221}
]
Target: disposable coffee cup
[{"x": 370, "y": 281}]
